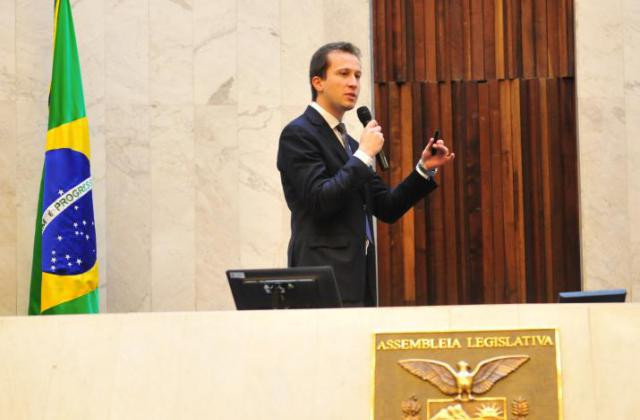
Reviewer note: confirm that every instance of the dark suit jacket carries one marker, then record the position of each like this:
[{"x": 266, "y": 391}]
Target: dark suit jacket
[{"x": 329, "y": 194}]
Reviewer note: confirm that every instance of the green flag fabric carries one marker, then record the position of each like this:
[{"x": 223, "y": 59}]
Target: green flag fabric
[{"x": 64, "y": 277}]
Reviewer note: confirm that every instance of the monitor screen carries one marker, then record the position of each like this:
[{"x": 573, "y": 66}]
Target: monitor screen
[
  {"x": 284, "y": 288},
  {"x": 591, "y": 296}
]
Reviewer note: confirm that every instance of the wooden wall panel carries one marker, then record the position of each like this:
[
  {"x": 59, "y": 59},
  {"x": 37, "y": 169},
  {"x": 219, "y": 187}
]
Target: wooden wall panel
[{"x": 496, "y": 77}]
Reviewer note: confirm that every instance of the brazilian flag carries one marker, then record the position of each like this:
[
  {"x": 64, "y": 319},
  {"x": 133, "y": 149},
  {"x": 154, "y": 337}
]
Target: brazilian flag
[{"x": 64, "y": 276}]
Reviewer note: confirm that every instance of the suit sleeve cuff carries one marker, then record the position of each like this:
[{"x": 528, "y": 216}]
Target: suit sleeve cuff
[
  {"x": 424, "y": 173},
  {"x": 365, "y": 158}
]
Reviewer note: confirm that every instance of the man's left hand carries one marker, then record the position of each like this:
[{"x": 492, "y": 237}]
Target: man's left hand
[{"x": 429, "y": 160}]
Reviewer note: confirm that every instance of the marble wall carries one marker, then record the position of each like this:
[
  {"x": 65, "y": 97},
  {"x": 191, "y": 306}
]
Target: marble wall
[
  {"x": 608, "y": 105},
  {"x": 185, "y": 100}
]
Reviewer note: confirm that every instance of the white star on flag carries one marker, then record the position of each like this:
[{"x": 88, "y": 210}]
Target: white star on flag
[
  {"x": 79, "y": 261},
  {"x": 60, "y": 192},
  {"x": 59, "y": 238}
]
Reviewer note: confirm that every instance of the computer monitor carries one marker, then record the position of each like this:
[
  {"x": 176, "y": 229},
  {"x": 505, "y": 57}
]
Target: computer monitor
[
  {"x": 284, "y": 288},
  {"x": 591, "y": 296}
]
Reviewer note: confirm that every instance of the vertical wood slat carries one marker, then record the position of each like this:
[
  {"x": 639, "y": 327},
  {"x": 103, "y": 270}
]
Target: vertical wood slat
[
  {"x": 519, "y": 249},
  {"x": 516, "y": 28},
  {"x": 431, "y": 41},
  {"x": 528, "y": 43},
  {"x": 570, "y": 187},
  {"x": 477, "y": 41},
  {"x": 486, "y": 194},
  {"x": 510, "y": 39},
  {"x": 407, "y": 221},
  {"x": 459, "y": 117},
  {"x": 501, "y": 72},
  {"x": 538, "y": 186},
  {"x": 473, "y": 197},
  {"x": 553, "y": 27},
  {"x": 563, "y": 40},
  {"x": 533, "y": 204},
  {"x": 466, "y": 39},
  {"x": 547, "y": 189},
  {"x": 528, "y": 210},
  {"x": 570, "y": 37},
  {"x": 408, "y": 25},
  {"x": 383, "y": 231},
  {"x": 496, "y": 180},
  {"x": 436, "y": 217},
  {"x": 449, "y": 204},
  {"x": 420, "y": 220},
  {"x": 489, "y": 39},
  {"x": 540, "y": 36},
  {"x": 381, "y": 49},
  {"x": 508, "y": 192},
  {"x": 395, "y": 176},
  {"x": 417, "y": 11},
  {"x": 454, "y": 14},
  {"x": 398, "y": 18},
  {"x": 443, "y": 45},
  {"x": 557, "y": 196}
]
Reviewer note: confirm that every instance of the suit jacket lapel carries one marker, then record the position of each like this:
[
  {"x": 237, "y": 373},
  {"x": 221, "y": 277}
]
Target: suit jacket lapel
[{"x": 326, "y": 133}]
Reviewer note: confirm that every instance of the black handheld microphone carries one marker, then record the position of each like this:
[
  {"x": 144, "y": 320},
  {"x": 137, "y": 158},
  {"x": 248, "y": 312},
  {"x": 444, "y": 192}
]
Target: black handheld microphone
[
  {"x": 434, "y": 149},
  {"x": 364, "y": 115}
]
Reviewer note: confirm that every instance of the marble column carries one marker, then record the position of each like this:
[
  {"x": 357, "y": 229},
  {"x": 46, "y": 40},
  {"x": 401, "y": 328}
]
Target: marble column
[
  {"x": 8, "y": 145},
  {"x": 608, "y": 92}
]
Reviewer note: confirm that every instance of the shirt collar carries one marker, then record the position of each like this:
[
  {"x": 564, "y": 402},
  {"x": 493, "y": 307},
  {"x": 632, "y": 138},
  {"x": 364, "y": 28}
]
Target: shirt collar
[{"x": 328, "y": 117}]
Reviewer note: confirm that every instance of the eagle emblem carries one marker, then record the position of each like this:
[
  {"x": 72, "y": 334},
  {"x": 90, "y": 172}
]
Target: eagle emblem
[{"x": 464, "y": 382}]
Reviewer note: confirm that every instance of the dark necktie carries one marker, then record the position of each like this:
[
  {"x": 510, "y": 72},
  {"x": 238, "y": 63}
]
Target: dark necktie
[
  {"x": 345, "y": 139},
  {"x": 345, "y": 142}
]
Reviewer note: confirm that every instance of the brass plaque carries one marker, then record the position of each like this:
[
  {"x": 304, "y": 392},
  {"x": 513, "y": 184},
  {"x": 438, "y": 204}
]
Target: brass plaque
[{"x": 474, "y": 375}]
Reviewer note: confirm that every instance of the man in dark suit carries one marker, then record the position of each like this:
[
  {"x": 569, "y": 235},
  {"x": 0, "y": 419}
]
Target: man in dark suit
[{"x": 329, "y": 182}]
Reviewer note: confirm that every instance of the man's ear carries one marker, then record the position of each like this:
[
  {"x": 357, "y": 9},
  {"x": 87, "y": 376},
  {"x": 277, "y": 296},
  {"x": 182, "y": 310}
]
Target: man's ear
[{"x": 317, "y": 83}]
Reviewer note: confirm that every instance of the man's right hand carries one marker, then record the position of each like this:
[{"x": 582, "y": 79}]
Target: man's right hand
[{"x": 371, "y": 140}]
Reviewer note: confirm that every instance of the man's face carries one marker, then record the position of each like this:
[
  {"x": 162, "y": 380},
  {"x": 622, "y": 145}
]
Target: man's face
[{"x": 338, "y": 91}]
